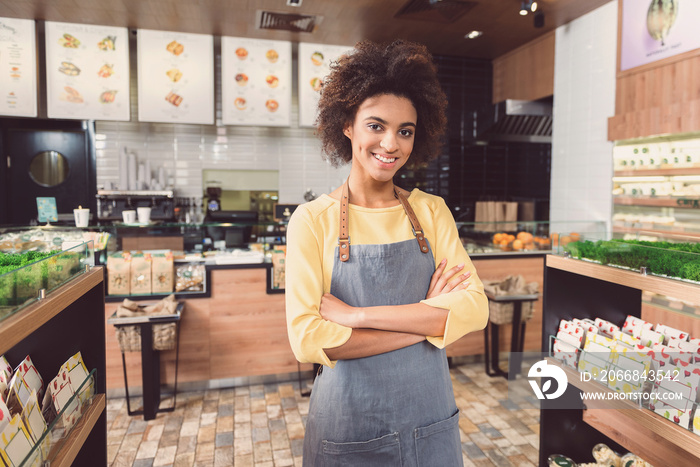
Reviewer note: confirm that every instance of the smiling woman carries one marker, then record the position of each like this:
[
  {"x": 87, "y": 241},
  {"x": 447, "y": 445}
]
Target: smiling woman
[{"x": 378, "y": 313}]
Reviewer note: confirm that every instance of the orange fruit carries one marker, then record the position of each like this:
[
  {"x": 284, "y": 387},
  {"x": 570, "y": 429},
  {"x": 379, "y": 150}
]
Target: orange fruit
[
  {"x": 525, "y": 237},
  {"x": 511, "y": 237},
  {"x": 497, "y": 238},
  {"x": 517, "y": 245},
  {"x": 575, "y": 237},
  {"x": 565, "y": 240}
]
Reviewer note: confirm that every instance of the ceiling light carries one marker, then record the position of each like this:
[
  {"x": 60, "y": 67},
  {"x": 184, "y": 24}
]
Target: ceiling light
[
  {"x": 533, "y": 6},
  {"x": 473, "y": 34},
  {"x": 523, "y": 8}
]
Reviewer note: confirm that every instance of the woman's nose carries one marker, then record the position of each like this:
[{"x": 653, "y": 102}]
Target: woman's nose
[{"x": 389, "y": 143}]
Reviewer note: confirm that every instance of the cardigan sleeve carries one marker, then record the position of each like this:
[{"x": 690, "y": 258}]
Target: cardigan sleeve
[
  {"x": 308, "y": 332},
  {"x": 468, "y": 308}
]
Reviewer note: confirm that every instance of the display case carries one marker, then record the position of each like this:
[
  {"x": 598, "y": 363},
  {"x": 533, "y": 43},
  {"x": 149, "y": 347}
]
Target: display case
[
  {"x": 520, "y": 238},
  {"x": 617, "y": 280},
  {"x": 27, "y": 277},
  {"x": 656, "y": 185}
]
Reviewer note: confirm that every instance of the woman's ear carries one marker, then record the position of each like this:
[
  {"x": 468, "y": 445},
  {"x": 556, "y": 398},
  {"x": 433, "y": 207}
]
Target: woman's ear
[{"x": 346, "y": 130}]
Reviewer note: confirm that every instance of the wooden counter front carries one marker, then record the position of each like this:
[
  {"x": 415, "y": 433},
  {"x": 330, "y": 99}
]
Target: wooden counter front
[{"x": 239, "y": 331}]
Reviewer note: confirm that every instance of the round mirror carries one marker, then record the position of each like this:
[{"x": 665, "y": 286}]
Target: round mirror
[{"x": 49, "y": 168}]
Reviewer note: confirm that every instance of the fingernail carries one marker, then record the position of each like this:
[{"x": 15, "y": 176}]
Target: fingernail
[
  {"x": 444, "y": 260},
  {"x": 461, "y": 266}
]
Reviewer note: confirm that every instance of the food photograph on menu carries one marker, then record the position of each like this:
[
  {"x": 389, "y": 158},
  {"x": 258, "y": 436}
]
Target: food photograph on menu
[
  {"x": 18, "y": 55},
  {"x": 87, "y": 72},
  {"x": 314, "y": 66},
  {"x": 256, "y": 81},
  {"x": 175, "y": 77}
]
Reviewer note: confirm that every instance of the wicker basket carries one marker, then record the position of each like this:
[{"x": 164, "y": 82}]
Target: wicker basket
[
  {"x": 164, "y": 335},
  {"x": 502, "y": 312}
]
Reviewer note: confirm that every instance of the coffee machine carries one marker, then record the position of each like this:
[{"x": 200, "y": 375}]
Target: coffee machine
[
  {"x": 111, "y": 203},
  {"x": 213, "y": 199}
]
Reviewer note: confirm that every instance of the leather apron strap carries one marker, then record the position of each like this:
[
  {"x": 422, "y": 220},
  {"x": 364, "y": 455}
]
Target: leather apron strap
[{"x": 344, "y": 237}]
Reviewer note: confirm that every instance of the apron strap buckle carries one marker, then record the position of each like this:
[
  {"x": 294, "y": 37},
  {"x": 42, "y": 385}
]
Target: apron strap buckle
[{"x": 344, "y": 249}]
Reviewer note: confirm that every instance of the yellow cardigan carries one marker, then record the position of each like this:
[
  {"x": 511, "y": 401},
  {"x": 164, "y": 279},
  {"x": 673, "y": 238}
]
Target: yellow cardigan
[{"x": 312, "y": 236}]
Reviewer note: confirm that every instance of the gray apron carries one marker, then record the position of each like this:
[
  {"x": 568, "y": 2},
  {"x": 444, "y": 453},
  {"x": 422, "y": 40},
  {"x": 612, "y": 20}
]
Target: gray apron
[{"x": 392, "y": 409}]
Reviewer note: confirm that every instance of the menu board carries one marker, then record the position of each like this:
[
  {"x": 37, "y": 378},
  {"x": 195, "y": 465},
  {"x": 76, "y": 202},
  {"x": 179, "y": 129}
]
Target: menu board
[
  {"x": 653, "y": 31},
  {"x": 87, "y": 71},
  {"x": 17, "y": 67},
  {"x": 314, "y": 66},
  {"x": 256, "y": 82},
  {"x": 176, "y": 77}
]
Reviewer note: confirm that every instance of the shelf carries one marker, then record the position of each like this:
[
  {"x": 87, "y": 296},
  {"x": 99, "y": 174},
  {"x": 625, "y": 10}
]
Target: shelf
[
  {"x": 670, "y": 287},
  {"x": 20, "y": 325},
  {"x": 658, "y": 172},
  {"x": 657, "y": 201},
  {"x": 65, "y": 453},
  {"x": 642, "y": 230},
  {"x": 641, "y": 431}
]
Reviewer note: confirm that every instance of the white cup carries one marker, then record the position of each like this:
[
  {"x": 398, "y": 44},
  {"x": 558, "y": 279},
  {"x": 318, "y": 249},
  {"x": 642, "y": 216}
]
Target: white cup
[
  {"x": 129, "y": 217},
  {"x": 144, "y": 214},
  {"x": 82, "y": 217}
]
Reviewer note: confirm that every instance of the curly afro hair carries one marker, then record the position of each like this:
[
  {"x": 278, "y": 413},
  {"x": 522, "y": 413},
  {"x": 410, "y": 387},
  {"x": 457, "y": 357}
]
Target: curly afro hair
[{"x": 404, "y": 69}]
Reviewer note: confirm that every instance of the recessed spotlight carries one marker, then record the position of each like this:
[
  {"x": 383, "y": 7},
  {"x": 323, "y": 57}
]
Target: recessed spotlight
[{"x": 473, "y": 34}]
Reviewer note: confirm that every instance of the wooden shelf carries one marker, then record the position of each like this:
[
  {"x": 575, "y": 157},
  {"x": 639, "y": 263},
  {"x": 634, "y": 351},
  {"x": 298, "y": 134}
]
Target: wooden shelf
[
  {"x": 641, "y": 230},
  {"x": 65, "y": 453},
  {"x": 657, "y": 201},
  {"x": 660, "y": 285},
  {"x": 20, "y": 325},
  {"x": 643, "y": 432},
  {"x": 658, "y": 172}
]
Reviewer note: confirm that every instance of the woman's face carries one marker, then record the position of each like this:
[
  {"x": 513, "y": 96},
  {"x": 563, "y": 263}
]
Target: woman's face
[{"x": 382, "y": 136}]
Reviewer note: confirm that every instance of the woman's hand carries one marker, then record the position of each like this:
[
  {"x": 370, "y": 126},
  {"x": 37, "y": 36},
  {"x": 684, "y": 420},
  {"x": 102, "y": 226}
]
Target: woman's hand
[
  {"x": 336, "y": 310},
  {"x": 444, "y": 282}
]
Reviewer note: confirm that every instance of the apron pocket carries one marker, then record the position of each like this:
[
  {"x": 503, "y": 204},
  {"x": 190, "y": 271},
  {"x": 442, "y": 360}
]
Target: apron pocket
[
  {"x": 379, "y": 452},
  {"x": 439, "y": 444}
]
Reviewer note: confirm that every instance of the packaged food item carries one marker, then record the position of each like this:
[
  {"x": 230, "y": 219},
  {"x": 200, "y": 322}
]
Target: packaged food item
[
  {"x": 606, "y": 456},
  {"x": 189, "y": 277},
  {"x": 560, "y": 460},
  {"x": 278, "y": 269},
  {"x": 141, "y": 274},
  {"x": 119, "y": 274},
  {"x": 162, "y": 273}
]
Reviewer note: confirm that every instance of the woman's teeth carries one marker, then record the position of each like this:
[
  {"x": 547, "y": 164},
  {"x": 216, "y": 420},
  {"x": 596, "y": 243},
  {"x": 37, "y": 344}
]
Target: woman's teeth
[{"x": 386, "y": 160}]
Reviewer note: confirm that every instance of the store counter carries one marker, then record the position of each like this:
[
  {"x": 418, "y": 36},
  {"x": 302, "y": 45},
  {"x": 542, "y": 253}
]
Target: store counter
[{"x": 238, "y": 331}]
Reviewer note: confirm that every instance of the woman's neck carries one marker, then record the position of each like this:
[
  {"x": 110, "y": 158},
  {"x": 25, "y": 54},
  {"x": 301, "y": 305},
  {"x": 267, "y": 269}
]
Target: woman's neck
[{"x": 372, "y": 194}]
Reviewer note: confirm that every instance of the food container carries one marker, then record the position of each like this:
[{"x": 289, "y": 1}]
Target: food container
[{"x": 560, "y": 460}]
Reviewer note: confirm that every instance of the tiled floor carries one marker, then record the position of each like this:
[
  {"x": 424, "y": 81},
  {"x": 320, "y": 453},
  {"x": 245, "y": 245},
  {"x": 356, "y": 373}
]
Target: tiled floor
[{"x": 263, "y": 425}]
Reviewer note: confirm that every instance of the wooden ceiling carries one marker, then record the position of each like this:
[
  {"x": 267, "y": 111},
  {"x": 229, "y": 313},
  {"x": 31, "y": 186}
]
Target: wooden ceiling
[{"x": 344, "y": 21}]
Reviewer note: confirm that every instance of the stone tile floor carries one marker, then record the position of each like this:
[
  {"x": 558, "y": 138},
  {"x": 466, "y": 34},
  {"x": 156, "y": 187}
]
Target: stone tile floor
[{"x": 263, "y": 426}]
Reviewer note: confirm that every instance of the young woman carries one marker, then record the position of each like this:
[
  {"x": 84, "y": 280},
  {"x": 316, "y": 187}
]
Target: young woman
[{"x": 364, "y": 296}]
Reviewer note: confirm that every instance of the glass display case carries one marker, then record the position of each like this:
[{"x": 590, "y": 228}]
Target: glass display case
[
  {"x": 656, "y": 184},
  {"x": 27, "y": 277},
  {"x": 653, "y": 253},
  {"x": 517, "y": 238}
]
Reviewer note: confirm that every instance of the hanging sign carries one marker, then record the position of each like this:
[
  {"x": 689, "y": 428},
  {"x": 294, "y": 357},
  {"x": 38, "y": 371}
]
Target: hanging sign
[{"x": 87, "y": 72}]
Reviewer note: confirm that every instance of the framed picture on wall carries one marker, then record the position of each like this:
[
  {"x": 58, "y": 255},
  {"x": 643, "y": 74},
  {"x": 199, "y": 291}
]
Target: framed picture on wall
[{"x": 653, "y": 30}]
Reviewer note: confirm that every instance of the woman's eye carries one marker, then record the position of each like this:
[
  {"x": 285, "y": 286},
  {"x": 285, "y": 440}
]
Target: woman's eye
[
  {"x": 406, "y": 133},
  {"x": 374, "y": 126}
]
